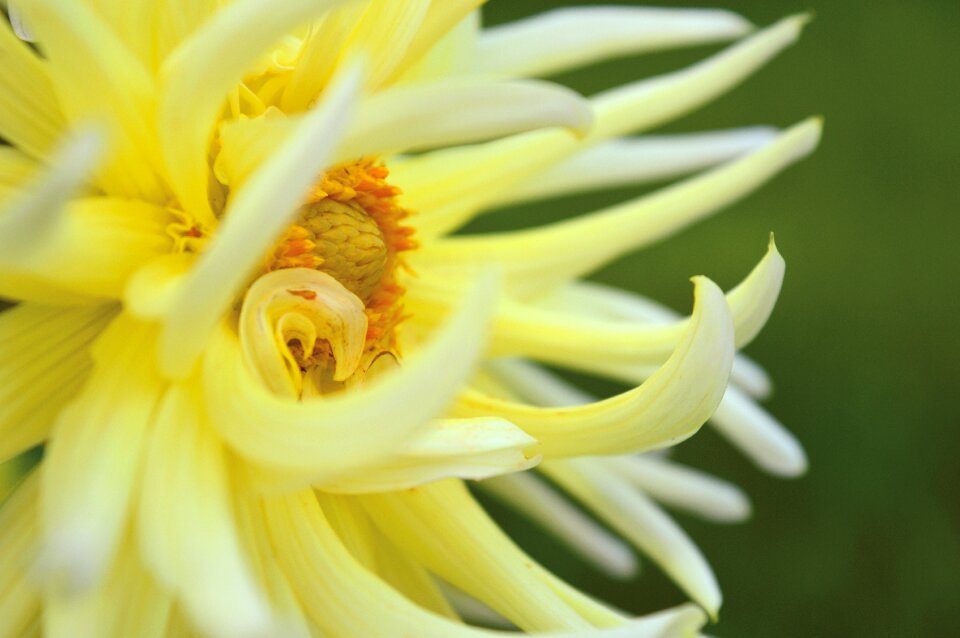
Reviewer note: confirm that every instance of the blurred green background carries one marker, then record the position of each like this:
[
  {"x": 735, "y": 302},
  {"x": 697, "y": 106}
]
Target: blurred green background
[{"x": 863, "y": 345}]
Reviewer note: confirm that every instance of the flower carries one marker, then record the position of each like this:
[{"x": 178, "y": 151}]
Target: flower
[{"x": 262, "y": 367}]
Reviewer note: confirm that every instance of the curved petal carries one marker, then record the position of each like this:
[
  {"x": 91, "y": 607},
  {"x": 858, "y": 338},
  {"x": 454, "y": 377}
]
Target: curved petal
[
  {"x": 444, "y": 529},
  {"x": 326, "y": 439},
  {"x": 536, "y": 259},
  {"x": 669, "y": 407},
  {"x": 94, "y": 458},
  {"x": 414, "y": 118},
  {"x": 563, "y": 39},
  {"x": 449, "y": 187},
  {"x": 258, "y": 213},
  {"x": 198, "y": 74},
  {"x": 188, "y": 535},
  {"x": 450, "y": 448},
  {"x": 340, "y": 593},
  {"x": 642, "y": 522},
  {"x": 45, "y": 363},
  {"x": 535, "y": 500}
]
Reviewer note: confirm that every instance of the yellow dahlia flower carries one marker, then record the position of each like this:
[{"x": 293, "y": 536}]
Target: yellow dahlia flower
[{"x": 263, "y": 368}]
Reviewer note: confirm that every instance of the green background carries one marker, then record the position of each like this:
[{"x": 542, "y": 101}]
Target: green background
[{"x": 863, "y": 343}]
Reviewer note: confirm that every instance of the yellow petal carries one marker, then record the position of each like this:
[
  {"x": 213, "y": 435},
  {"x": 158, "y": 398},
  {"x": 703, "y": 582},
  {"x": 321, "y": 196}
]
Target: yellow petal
[
  {"x": 449, "y": 187},
  {"x": 145, "y": 610},
  {"x": 257, "y": 214},
  {"x": 98, "y": 78},
  {"x": 30, "y": 116},
  {"x": 536, "y": 259},
  {"x": 325, "y": 439},
  {"x": 187, "y": 530},
  {"x": 669, "y": 407},
  {"x": 562, "y": 39},
  {"x": 683, "y": 487},
  {"x": 339, "y": 594},
  {"x": 463, "y": 448},
  {"x": 275, "y": 312},
  {"x": 440, "y": 20},
  {"x": 578, "y": 327},
  {"x": 196, "y": 78},
  {"x": 44, "y": 365},
  {"x": 642, "y": 522},
  {"x": 638, "y": 160},
  {"x": 93, "y": 461},
  {"x": 19, "y": 526},
  {"x": 443, "y": 528}
]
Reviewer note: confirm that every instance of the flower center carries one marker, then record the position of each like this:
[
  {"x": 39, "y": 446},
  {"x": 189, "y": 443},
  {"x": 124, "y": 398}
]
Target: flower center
[{"x": 328, "y": 303}]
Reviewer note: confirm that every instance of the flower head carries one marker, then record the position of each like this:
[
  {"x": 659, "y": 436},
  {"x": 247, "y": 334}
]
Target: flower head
[{"x": 264, "y": 367}]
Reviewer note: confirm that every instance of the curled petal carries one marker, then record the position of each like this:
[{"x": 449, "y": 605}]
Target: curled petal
[
  {"x": 568, "y": 38},
  {"x": 326, "y": 439},
  {"x": 669, "y": 407},
  {"x": 304, "y": 306},
  {"x": 258, "y": 213}
]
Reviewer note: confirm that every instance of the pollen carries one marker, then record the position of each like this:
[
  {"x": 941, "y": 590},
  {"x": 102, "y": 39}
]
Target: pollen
[{"x": 353, "y": 229}]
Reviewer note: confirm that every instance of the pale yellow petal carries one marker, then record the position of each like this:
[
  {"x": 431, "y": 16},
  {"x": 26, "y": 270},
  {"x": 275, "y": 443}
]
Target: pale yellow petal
[
  {"x": 586, "y": 327},
  {"x": 758, "y": 435},
  {"x": 535, "y": 500},
  {"x": 684, "y": 487},
  {"x": 449, "y": 187},
  {"x": 98, "y": 613},
  {"x": 308, "y": 438},
  {"x": 667, "y": 408},
  {"x": 411, "y": 119},
  {"x": 94, "y": 458},
  {"x": 440, "y": 20},
  {"x": 196, "y": 77},
  {"x": 443, "y": 528},
  {"x": 20, "y": 600},
  {"x": 642, "y": 522},
  {"x": 87, "y": 251},
  {"x": 16, "y": 169},
  {"x": 45, "y": 363},
  {"x": 187, "y": 530},
  {"x": 258, "y": 213},
  {"x": 562, "y": 39},
  {"x": 30, "y": 116},
  {"x": 536, "y": 259},
  {"x": 630, "y": 161},
  {"x": 98, "y": 78},
  {"x": 450, "y": 448},
  {"x": 339, "y": 594},
  {"x": 452, "y": 55}
]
